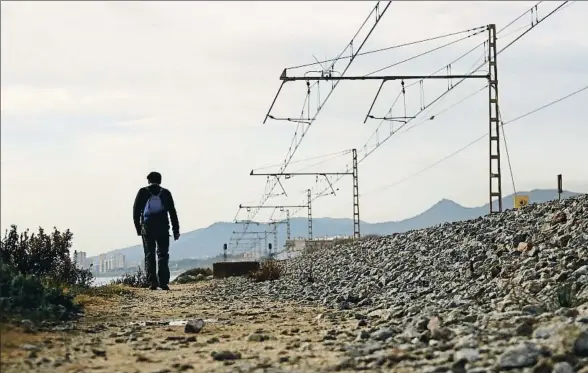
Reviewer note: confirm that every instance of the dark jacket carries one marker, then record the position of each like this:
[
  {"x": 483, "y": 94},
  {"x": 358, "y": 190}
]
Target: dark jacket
[{"x": 158, "y": 223}]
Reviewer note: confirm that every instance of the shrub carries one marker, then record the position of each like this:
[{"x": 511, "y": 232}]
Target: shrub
[
  {"x": 35, "y": 271},
  {"x": 193, "y": 275},
  {"x": 45, "y": 256},
  {"x": 269, "y": 270},
  {"x": 27, "y": 296},
  {"x": 135, "y": 280},
  {"x": 370, "y": 236}
]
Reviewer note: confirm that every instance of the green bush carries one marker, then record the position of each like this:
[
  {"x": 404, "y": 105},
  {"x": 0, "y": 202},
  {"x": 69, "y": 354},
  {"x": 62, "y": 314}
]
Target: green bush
[
  {"x": 27, "y": 296},
  {"x": 45, "y": 256},
  {"x": 35, "y": 271}
]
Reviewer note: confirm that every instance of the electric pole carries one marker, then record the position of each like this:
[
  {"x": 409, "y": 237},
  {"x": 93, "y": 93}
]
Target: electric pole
[
  {"x": 308, "y": 206},
  {"x": 495, "y": 178},
  {"x": 494, "y": 122},
  {"x": 260, "y": 234},
  {"x": 353, "y": 173}
]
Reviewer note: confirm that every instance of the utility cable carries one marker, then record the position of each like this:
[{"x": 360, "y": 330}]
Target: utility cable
[
  {"x": 306, "y": 159},
  {"x": 532, "y": 27},
  {"x": 425, "y": 53},
  {"x": 478, "y": 68},
  {"x": 519, "y": 17},
  {"x": 510, "y": 44},
  {"x": 388, "y": 48},
  {"x": 514, "y": 188},
  {"x": 269, "y": 189},
  {"x": 476, "y": 140}
]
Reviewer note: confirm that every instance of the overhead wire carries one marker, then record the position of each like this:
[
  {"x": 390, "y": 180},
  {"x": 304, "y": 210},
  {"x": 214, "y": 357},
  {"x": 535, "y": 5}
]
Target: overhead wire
[
  {"x": 382, "y": 121},
  {"x": 425, "y": 53},
  {"x": 532, "y": 27},
  {"x": 360, "y": 159},
  {"x": 502, "y": 124},
  {"x": 271, "y": 186},
  {"x": 474, "y": 48},
  {"x": 318, "y": 195},
  {"x": 477, "y": 29},
  {"x": 305, "y": 159},
  {"x": 511, "y": 172},
  {"x": 387, "y": 48}
]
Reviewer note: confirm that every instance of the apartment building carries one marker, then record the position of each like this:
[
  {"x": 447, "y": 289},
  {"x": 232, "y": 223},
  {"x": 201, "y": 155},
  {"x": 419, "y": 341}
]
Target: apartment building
[
  {"x": 111, "y": 263},
  {"x": 80, "y": 259}
]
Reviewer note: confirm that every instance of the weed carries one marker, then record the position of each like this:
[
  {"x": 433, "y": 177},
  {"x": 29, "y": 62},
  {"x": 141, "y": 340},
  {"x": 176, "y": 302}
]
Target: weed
[
  {"x": 269, "y": 270},
  {"x": 134, "y": 280},
  {"x": 567, "y": 295}
]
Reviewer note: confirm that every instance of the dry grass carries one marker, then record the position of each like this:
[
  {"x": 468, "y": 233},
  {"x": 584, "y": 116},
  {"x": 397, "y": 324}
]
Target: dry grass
[
  {"x": 269, "y": 270},
  {"x": 12, "y": 338}
]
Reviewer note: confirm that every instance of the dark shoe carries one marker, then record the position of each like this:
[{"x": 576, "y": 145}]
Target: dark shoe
[
  {"x": 165, "y": 287},
  {"x": 153, "y": 287}
]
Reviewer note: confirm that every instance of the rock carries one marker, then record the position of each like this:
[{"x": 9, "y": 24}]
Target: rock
[
  {"x": 30, "y": 347},
  {"x": 194, "y": 326},
  {"x": 257, "y": 337},
  {"x": 525, "y": 328},
  {"x": 478, "y": 295},
  {"x": 99, "y": 352},
  {"x": 559, "y": 217},
  {"x": 382, "y": 334},
  {"x": 28, "y": 326},
  {"x": 520, "y": 356},
  {"x": 466, "y": 354},
  {"x": 225, "y": 355},
  {"x": 563, "y": 367},
  {"x": 581, "y": 344},
  {"x": 524, "y": 247}
]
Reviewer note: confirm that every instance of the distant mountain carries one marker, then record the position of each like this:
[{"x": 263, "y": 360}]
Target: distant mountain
[{"x": 206, "y": 242}]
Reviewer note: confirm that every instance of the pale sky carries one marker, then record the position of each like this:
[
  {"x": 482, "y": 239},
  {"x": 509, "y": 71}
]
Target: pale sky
[{"x": 95, "y": 95}]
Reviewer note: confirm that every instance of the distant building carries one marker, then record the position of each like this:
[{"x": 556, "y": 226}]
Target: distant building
[
  {"x": 111, "y": 263},
  {"x": 81, "y": 259},
  {"x": 118, "y": 261}
]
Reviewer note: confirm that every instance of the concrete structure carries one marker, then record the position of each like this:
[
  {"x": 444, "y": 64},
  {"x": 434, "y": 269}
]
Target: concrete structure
[
  {"x": 301, "y": 245},
  {"x": 229, "y": 269}
]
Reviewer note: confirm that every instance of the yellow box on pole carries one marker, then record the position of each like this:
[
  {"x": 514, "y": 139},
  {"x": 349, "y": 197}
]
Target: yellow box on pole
[{"x": 521, "y": 201}]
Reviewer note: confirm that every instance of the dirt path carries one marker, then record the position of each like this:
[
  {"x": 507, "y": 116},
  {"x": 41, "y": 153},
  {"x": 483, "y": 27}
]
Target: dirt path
[{"x": 248, "y": 335}]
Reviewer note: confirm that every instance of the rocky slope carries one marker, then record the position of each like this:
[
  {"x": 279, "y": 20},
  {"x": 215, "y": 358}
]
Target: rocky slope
[{"x": 464, "y": 293}]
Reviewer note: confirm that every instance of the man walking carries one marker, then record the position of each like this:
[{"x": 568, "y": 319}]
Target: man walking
[{"x": 150, "y": 215}]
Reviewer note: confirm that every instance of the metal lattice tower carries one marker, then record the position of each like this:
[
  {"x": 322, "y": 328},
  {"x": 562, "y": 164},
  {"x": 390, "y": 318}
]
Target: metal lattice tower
[
  {"x": 356, "y": 233},
  {"x": 309, "y": 194},
  {"x": 495, "y": 180},
  {"x": 275, "y": 232},
  {"x": 353, "y": 173},
  {"x": 307, "y": 206},
  {"x": 288, "y": 232}
]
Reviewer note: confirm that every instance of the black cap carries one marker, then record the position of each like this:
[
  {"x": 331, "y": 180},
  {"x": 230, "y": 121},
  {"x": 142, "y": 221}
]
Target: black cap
[{"x": 154, "y": 177}]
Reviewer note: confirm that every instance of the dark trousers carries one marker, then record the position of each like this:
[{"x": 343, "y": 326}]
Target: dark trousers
[{"x": 157, "y": 244}]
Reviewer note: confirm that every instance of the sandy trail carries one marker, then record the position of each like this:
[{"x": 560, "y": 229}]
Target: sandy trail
[{"x": 247, "y": 335}]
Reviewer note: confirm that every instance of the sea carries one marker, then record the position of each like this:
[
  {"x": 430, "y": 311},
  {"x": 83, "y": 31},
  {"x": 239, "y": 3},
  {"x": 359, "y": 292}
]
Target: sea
[{"x": 99, "y": 281}]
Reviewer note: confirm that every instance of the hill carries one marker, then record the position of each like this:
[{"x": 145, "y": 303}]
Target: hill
[{"x": 206, "y": 242}]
